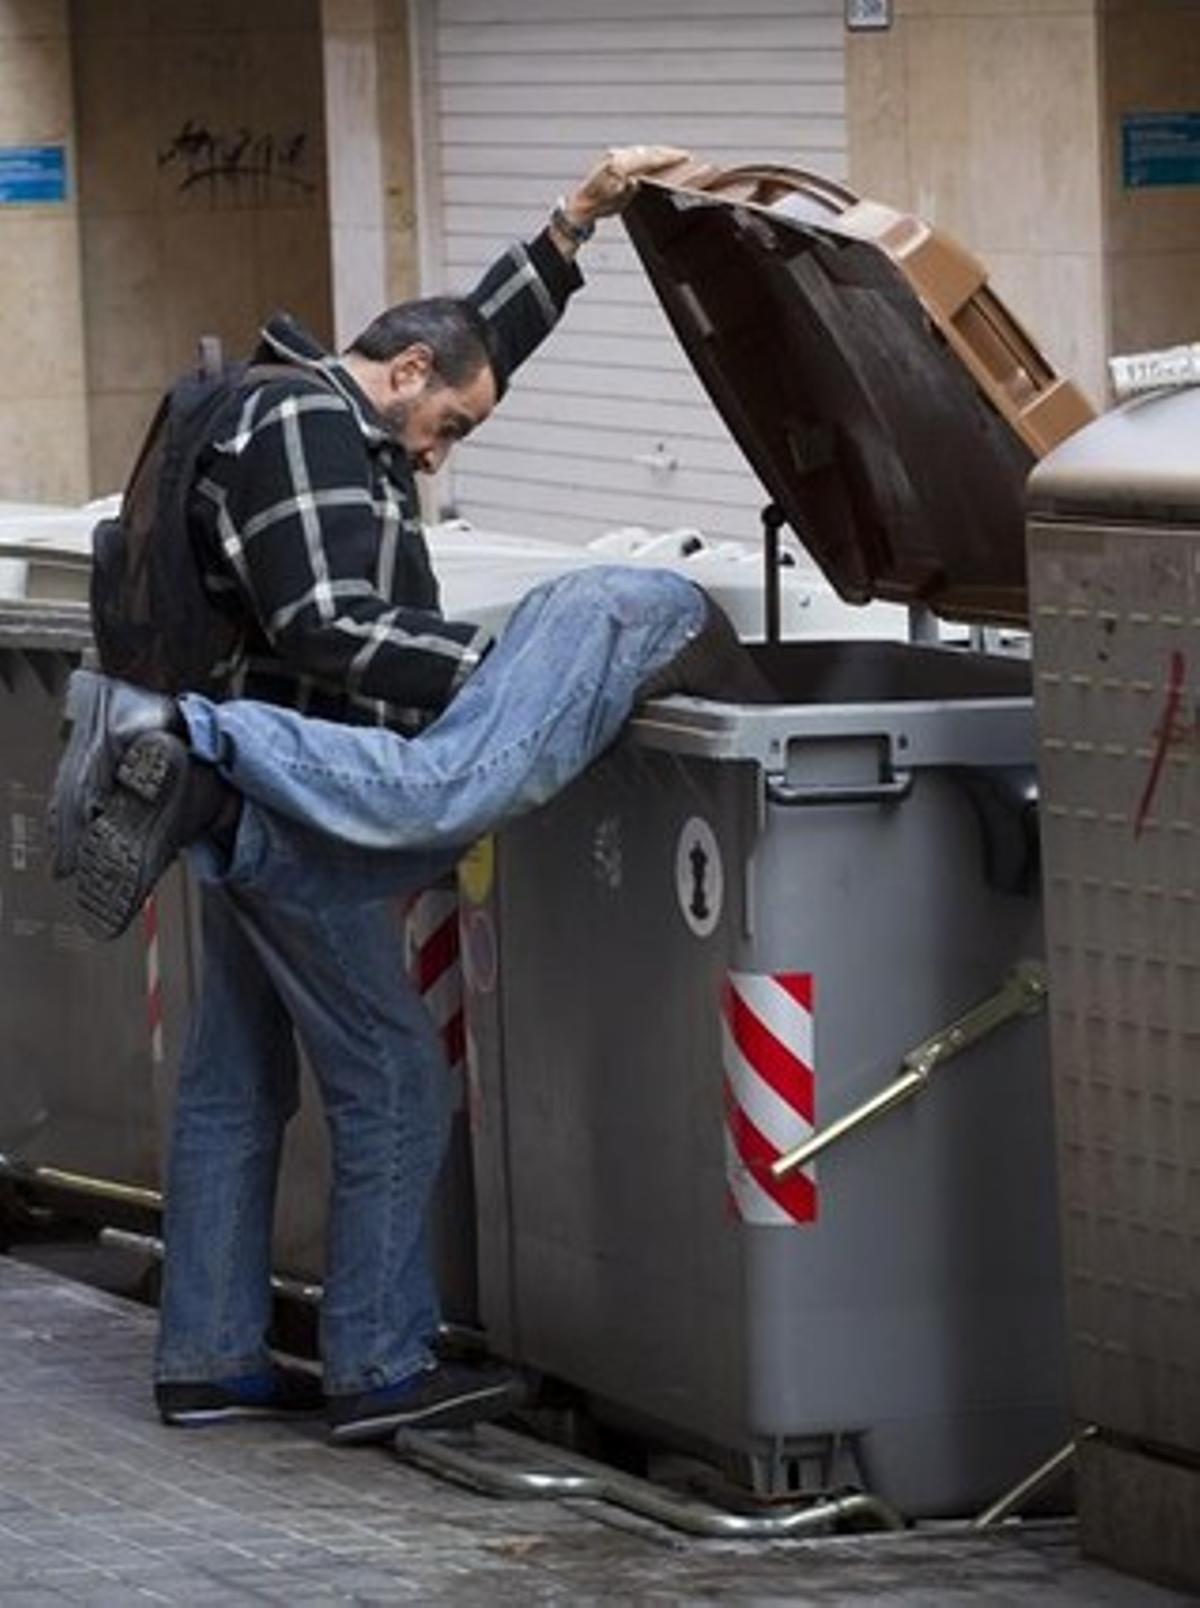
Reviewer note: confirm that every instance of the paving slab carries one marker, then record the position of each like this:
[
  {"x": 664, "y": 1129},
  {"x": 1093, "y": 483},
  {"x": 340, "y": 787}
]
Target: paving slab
[{"x": 101, "y": 1504}]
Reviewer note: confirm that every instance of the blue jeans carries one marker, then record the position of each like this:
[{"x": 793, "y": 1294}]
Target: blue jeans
[
  {"x": 274, "y": 971},
  {"x": 340, "y": 813},
  {"x": 299, "y": 938}
]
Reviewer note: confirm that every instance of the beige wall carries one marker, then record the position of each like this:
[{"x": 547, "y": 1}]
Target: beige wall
[
  {"x": 182, "y": 233},
  {"x": 983, "y": 117},
  {"x": 1151, "y": 58},
  {"x": 396, "y": 125},
  {"x": 43, "y": 427},
  {"x": 107, "y": 293},
  {"x": 998, "y": 119}
]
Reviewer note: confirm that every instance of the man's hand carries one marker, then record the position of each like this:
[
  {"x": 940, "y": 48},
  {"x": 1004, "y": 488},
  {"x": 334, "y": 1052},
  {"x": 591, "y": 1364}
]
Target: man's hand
[{"x": 610, "y": 185}]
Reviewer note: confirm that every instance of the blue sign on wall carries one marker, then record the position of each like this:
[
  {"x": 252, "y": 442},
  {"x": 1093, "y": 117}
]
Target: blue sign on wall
[
  {"x": 32, "y": 173},
  {"x": 1160, "y": 148}
]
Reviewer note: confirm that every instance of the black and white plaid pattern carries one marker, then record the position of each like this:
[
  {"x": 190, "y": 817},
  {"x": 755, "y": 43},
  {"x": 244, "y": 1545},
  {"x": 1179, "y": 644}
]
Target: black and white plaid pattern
[{"x": 306, "y": 519}]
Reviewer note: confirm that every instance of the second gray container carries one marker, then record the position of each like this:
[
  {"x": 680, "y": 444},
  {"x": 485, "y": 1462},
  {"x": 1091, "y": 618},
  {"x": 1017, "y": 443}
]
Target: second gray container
[{"x": 737, "y": 907}]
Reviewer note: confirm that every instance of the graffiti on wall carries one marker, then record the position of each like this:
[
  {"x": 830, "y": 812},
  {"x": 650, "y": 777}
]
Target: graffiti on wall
[{"x": 238, "y": 168}]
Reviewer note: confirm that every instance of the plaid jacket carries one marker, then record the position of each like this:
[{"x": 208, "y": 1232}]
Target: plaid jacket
[{"x": 306, "y": 522}]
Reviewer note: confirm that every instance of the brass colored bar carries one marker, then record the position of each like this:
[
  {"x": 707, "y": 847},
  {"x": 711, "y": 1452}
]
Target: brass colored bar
[
  {"x": 82, "y": 1184},
  {"x": 905, "y": 1086},
  {"x": 1012, "y": 1501},
  {"x": 294, "y": 1289},
  {"x": 1022, "y": 994}
]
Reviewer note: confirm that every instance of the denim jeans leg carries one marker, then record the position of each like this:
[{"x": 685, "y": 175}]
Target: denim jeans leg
[
  {"x": 549, "y": 698},
  {"x": 385, "y": 1090},
  {"x": 237, "y": 1089}
]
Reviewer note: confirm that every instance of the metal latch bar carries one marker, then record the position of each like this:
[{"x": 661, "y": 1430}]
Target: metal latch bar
[
  {"x": 1023, "y": 993},
  {"x": 1045, "y": 1474}
]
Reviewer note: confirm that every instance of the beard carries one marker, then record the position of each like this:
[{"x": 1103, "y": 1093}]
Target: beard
[{"x": 395, "y": 417}]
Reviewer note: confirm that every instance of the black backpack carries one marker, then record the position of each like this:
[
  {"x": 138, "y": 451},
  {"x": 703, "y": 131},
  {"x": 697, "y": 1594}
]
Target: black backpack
[{"x": 153, "y": 618}]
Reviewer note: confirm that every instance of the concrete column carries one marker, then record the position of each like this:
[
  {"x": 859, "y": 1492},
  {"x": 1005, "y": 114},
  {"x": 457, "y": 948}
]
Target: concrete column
[
  {"x": 43, "y": 418},
  {"x": 368, "y": 122}
]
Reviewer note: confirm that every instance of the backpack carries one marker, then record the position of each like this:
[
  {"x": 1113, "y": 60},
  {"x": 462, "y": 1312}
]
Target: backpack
[{"x": 154, "y": 621}]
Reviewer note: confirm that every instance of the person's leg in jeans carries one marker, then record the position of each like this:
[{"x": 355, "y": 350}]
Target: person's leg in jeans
[
  {"x": 385, "y": 1090},
  {"x": 338, "y": 977},
  {"x": 575, "y": 657},
  {"x": 237, "y": 1090},
  {"x": 552, "y": 695}
]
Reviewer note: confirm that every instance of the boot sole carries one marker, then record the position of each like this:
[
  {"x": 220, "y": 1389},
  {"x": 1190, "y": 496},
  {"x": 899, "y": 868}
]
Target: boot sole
[
  {"x": 474, "y": 1407},
  {"x": 84, "y": 716},
  {"x": 197, "y": 1417},
  {"x": 111, "y": 883}
]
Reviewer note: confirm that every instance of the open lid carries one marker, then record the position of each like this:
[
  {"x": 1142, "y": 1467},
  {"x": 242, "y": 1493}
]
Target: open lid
[{"x": 889, "y": 404}]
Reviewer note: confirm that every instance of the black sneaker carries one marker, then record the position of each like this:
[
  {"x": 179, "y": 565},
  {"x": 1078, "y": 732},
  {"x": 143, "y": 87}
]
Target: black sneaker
[
  {"x": 712, "y": 664},
  {"x": 278, "y": 1393},
  {"x": 164, "y": 800},
  {"x": 443, "y": 1396}
]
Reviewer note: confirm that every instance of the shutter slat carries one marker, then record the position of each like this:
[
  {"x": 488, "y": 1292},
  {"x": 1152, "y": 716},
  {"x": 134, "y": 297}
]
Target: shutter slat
[
  {"x": 660, "y": 68},
  {"x": 605, "y": 442},
  {"x": 570, "y": 525},
  {"x": 733, "y": 32},
  {"x": 649, "y": 100},
  {"x": 591, "y": 512},
  {"x": 652, "y": 420},
  {"x": 780, "y": 136},
  {"x": 626, "y": 11}
]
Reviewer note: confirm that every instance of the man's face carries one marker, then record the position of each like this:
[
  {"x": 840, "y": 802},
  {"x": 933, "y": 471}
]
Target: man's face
[{"x": 426, "y": 415}]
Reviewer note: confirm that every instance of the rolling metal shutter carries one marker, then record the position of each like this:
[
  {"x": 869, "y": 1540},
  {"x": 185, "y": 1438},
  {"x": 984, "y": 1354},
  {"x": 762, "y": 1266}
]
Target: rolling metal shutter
[{"x": 608, "y": 426}]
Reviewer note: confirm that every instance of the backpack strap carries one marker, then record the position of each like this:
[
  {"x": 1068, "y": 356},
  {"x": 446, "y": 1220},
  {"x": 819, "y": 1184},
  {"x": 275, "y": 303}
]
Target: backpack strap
[
  {"x": 210, "y": 361},
  {"x": 265, "y": 373}
]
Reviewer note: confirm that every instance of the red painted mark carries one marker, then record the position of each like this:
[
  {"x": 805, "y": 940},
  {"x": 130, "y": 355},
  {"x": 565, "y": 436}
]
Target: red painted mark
[
  {"x": 1165, "y": 733},
  {"x": 154, "y": 992}
]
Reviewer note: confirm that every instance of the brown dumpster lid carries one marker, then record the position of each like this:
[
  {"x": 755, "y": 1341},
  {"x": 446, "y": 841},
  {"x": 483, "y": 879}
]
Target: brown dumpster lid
[{"x": 888, "y": 402}]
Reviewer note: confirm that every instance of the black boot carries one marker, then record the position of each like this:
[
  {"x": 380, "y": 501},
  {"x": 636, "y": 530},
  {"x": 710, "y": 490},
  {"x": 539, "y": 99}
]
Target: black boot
[
  {"x": 103, "y": 716},
  {"x": 163, "y": 801},
  {"x": 714, "y": 664}
]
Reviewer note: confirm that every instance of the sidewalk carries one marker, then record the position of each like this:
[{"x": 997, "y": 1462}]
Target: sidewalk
[{"x": 101, "y": 1505}]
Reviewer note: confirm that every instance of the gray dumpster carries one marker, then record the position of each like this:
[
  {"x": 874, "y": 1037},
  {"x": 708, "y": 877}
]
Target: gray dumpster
[
  {"x": 1114, "y": 545},
  {"x": 90, "y": 1032},
  {"x": 86, "y": 1029},
  {"x": 747, "y": 921}
]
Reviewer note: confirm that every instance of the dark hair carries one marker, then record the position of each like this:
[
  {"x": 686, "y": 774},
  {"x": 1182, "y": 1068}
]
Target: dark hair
[{"x": 460, "y": 338}]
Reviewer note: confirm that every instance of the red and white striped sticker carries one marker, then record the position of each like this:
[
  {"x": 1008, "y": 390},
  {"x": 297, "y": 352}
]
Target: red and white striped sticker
[
  {"x": 154, "y": 988},
  {"x": 435, "y": 967},
  {"x": 767, "y": 1052}
]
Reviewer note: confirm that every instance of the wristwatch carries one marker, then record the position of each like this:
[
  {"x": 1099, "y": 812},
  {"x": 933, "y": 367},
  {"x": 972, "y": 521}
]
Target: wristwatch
[{"x": 577, "y": 233}]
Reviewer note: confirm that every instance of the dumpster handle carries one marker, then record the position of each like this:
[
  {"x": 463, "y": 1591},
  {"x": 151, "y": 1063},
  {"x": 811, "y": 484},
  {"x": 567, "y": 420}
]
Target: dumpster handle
[
  {"x": 1023, "y": 993},
  {"x": 896, "y": 787}
]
